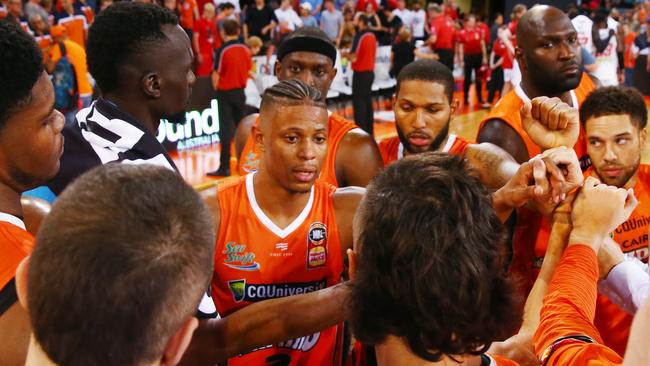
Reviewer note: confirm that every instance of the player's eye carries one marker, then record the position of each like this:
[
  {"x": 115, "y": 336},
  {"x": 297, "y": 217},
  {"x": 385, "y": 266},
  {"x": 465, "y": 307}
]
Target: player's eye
[
  {"x": 573, "y": 40},
  {"x": 320, "y": 72},
  {"x": 406, "y": 107},
  {"x": 434, "y": 110},
  {"x": 320, "y": 139},
  {"x": 595, "y": 143},
  {"x": 548, "y": 44},
  {"x": 294, "y": 69},
  {"x": 621, "y": 141},
  {"x": 292, "y": 139}
]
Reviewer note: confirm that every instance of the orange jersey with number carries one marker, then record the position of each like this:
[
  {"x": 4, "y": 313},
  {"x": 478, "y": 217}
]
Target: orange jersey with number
[
  {"x": 632, "y": 236},
  {"x": 15, "y": 244},
  {"x": 255, "y": 260},
  {"x": 337, "y": 127},
  {"x": 391, "y": 149}
]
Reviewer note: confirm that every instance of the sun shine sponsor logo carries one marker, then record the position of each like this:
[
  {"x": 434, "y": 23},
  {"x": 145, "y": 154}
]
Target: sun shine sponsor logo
[{"x": 238, "y": 258}]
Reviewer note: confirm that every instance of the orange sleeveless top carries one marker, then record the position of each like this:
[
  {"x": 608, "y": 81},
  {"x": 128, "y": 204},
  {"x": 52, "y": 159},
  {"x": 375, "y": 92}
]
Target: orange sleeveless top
[
  {"x": 507, "y": 109},
  {"x": 15, "y": 244},
  {"x": 391, "y": 149},
  {"x": 632, "y": 236},
  {"x": 337, "y": 127},
  {"x": 255, "y": 260}
]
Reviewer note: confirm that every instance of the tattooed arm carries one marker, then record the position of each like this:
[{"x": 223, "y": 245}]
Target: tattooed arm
[{"x": 494, "y": 165}]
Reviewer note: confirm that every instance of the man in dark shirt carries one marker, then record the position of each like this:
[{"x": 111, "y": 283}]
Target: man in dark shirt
[
  {"x": 232, "y": 67},
  {"x": 260, "y": 22}
]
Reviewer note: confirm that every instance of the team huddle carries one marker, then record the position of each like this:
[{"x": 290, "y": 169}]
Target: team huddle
[{"x": 525, "y": 247}]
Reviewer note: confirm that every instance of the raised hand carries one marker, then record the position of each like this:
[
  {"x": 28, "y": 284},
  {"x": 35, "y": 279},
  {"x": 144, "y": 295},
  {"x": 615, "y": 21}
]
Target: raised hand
[{"x": 550, "y": 122}]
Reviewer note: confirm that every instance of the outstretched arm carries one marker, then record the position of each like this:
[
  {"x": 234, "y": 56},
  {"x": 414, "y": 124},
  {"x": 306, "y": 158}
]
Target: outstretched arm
[
  {"x": 494, "y": 165},
  {"x": 264, "y": 323}
]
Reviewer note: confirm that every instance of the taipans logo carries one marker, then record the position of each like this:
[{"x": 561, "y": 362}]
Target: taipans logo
[
  {"x": 241, "y": 291},
  {"x": 316, "y": 248},
  {"x": 251, "y": 162},
  {"x": 238, "y": 258}
]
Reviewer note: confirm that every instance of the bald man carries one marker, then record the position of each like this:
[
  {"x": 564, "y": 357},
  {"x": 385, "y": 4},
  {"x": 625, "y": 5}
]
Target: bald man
[{"x": 549, "y": 57}]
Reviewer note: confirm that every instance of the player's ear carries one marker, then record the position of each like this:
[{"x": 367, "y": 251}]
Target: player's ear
[
  {"x": 179, "y": 342},
  {"x": 151, "y": 84},
  {"x": 258, "y": 137},
  {"x": 519, "y": 56},
  {"x": 454, "y": 106},
  {"x": 643, "y": 135},
  {"x": 277, "y": 67},
  {"x": 21, "y": 282}
]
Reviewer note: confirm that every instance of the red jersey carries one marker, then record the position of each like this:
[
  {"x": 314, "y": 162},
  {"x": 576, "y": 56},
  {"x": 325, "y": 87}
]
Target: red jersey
[
  {"x": 471, "y": 40},
  {"x": 451, "y": 13},
  {"x": 632, "y": 236},
  {"x": 186, "y": 8},
  {"x": 391, "y": 149},
  {"x": 628, "y": 56},
  {"x": 15, "y": 244},
  {"x": 209, "y": 39},
  {"x": 255, "y": 260},
  {"x": 233, "y": 62},
  {"x": 501, "y": 50},
  {"x": 364, "y": 46},
  {"x": 337, "y": 127},
  {"x": 445, "y": 31},
  {"x": 529, "y": 222},
  {"x": 485, "y": 30}
]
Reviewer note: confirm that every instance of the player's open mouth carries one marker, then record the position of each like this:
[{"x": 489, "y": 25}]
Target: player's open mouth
[
  {"x": 419, "y": 140},
  {"x": 305, "y": 175}
]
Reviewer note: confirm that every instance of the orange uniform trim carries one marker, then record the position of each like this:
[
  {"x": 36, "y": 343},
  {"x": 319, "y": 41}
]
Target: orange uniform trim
[
  {"x": 15, "y": 245},
  {"x": 389, "y": 148}
]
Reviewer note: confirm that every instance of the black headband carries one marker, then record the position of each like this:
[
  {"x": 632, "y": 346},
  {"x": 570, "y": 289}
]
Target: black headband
[{"x": 307, "y": 44}]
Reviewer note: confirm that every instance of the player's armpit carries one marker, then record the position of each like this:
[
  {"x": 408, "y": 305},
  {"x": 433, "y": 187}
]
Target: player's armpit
[
  {"x": 357, "y": 159},
  {"x": 498, "y": 132},
  {"x": 265, "y": 323},
  {"x": 494, "y": 165}
]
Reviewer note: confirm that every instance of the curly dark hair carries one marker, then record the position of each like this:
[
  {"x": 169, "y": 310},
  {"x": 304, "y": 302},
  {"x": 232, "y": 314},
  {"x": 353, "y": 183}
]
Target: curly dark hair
[
  {"x": 122, "y": 29},
  {"x": 21, "y": 64},
  {"x": 615, "y": 100},
  {"x": 430, "y": 267}
]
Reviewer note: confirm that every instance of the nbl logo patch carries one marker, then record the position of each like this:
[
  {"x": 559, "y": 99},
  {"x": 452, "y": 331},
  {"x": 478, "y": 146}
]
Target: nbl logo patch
[{"x": 317, "y": 246}]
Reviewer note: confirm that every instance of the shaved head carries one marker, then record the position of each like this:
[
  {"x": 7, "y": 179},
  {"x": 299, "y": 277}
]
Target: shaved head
[{"x": 548, "y": 51}]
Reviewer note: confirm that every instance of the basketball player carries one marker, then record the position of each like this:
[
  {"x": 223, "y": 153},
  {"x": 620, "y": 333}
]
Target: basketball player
[
  {"x": 550, "y": 59},
  {"x": 30, "y": 147},
  {"x": 352, "y": 158},
  {"x": 423, "y": 105},
  {"x": 605, "y": 46},
  {"x": 159, "y": 228},
  {"x": 614, "y": 120},
  {"x": 281, "y": 231},
  {"x": 459, "y": 299}
]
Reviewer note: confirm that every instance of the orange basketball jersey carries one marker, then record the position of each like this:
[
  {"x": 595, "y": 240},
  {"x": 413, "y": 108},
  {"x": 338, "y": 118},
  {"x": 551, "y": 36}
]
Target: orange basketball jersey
[
  {"x": 632, "y": 236},
  {"x": 255, "y": 260},
  {"x": 507, "y": 109},
  {"x": 391, "y": 149},
  {"x": 337, "y": 127},
  {"x": 15, "y": 244}
]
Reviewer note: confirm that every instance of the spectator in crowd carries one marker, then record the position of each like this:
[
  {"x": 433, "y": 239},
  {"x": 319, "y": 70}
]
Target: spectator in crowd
[
  {"x": 496, "y": 24},
  {"x": 33, "y": 7},
  {"x": 307, "y": 19},
  {"x": 451, "y": 10},
  {"x": 372, "y": 19},
  {"x": 205, "y": 39},
  {"x": 405, "y": 15},
  {"x": 605, "y": 44},
  {"x": 316, "y": 6},
  {"x": 331, "y": 20},
  {"x": 67, "y": 10},
  {"x": 442, "y": 35},
  {"x": 226, "y": 11},
  {"x": 254, "y": 44},
  {"x": 348, "y": 30},
  {"x": 189, "y": 12},
  {"x": 362, "y": 4},
  {"x": 641, "y": 75},
  {"x": 472, "y": 54},
  {"x": 15, "y": 12},
  {"x": 402, "y": 53},
  {"x": 362, "y": 56},
  {"x": 39, "y": 25},
  {"x": 588, "y": 61},
  {"x": 77, "y": 56},
  {"x": 629, "y": 56},
  {"x": 232, "y": 4},
  {"x": 495, "y": 84},
  {"x": 288, "y": 19},
  {"x": 392, "y": 26},
  {"x": 260, "y": 22},
  {"x": 418, "y": 21},
  {"x": 232, "y": 67}
]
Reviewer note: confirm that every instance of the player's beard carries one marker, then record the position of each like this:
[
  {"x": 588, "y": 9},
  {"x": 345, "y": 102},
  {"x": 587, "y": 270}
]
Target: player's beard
[
  {"x": 628, "y": 173},
  {"x": 435, "y": 144}
]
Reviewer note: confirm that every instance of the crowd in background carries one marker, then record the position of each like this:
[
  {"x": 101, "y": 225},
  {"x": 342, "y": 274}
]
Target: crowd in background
[{"x": 479, "y": 49}]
